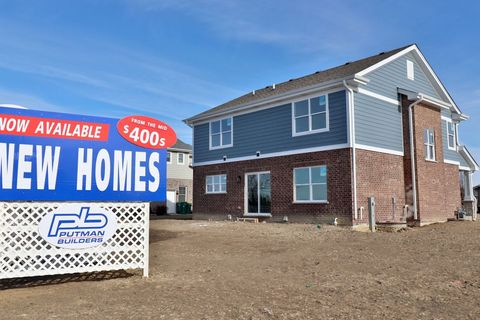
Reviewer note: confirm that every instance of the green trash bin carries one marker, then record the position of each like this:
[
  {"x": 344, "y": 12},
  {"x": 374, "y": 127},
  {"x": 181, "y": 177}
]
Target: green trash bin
[{"x": 184, "y": 208}]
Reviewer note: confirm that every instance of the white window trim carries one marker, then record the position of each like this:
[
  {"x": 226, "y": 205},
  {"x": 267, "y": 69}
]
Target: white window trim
[
  {"x": 169, "y": 161},
  {"x": 327, "y": 115},
  {"x": 410, "y": 70},
  {"x": 215, "y": 192},
  {"x": 178, "y": 158},
  {"x": 427, "y": 144},
  {"x": 454, "y": 147},
  {"x": 221, "y": 136},
  {"x": 310, "y": 184}
]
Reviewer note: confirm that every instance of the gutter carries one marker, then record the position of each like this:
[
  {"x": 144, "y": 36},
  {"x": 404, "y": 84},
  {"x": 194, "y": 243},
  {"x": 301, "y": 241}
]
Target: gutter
[{"x": 351, "y": 105}]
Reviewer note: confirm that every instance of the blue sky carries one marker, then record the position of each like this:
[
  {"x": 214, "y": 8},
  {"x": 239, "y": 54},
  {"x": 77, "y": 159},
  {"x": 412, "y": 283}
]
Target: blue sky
[{"x": 174, "y": 58}]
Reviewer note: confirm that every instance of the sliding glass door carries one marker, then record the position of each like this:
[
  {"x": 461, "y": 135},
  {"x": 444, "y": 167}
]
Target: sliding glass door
[{"x": 258, "y": 193}]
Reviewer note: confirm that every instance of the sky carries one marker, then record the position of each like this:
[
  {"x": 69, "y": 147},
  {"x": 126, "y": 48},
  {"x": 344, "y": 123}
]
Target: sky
[{"x": 171, "y": 59}]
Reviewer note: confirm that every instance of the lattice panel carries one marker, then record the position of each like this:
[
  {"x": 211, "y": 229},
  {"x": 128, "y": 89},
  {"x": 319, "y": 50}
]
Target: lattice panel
[{"x": 24, "y": 253}]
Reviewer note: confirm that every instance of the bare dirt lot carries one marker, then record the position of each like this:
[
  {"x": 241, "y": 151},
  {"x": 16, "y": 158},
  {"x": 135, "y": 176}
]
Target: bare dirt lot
[{"x": 226, "y": 270}]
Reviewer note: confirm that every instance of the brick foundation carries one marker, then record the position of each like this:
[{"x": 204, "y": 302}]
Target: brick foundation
[
  {"x": 340, "y": 202},
  {"x": 380, "y": 175}
]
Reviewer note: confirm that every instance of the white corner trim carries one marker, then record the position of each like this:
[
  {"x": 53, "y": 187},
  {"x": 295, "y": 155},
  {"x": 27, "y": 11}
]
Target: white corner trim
[
  {"x": 376, "y": 149},
  {"x": 274, "y": 154},
  {"x": 464, "y": 168},
  {"x": 457, "y": 163},
  {"x": 378, "y": 96}
]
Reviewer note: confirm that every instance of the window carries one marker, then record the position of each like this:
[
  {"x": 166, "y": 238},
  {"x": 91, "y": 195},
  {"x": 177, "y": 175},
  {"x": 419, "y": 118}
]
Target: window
[
  {"x": 429, "y": 137},
  {"x": 221, "y": 133},
  {"x": 182, "y": 194},
  {"x": 217, "y": 183},
  {"x": 169, "y": 157},
  {"x": 310, "y": 184},
  {"x": 190, "y": 159},
  {"x": 410, "y": 70},
  {"x": 310, "y": 116},
  {"x": 451, "y": 135},
  {"x": 180, "y": 158}
]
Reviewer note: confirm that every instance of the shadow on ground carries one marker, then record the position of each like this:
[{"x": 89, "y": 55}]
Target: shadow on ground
[{"x": 29, "y": 282}]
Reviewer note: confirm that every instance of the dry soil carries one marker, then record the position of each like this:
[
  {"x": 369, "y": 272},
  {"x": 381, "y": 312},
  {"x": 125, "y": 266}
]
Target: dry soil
[{"x": 230, "y": 270}]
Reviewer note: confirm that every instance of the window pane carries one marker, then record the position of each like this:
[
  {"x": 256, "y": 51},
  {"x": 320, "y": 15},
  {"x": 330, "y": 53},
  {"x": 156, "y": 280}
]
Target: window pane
[
  {"x": 209, "y": 180},
  {"x": 431, "y": 137},
  {"x": 426, "y": 152},
  {"x": 318, "y": 104},
  {"x": 432, "y": 154},
  {"x": 223, "y": 178},
  {"x": 180, "y": 157},
  {"x": 450, "y": 141},
  {"x": 227, "y": 124},
  {"x": 301, "y": 124},
  {"x": 216, "y": 187},
  {"x": 226, "y": 138},
  {"x": 425, "y": 135},
  {"x": 450, "y": 127},
  {"x": 216, "y": 179},
  {"x": 319, "y": 192},
  {"x": 319, "y": 175},
  {"x": 301, "y": 108},
  {"x": 168, "y": 156},
  {"x": 223, "y": 187},
  {"x": 303, "y": 192},
  {"x": 301, "y": 176},
  {"x": 215, "y": 127},
  {"x": 209, "y": 188},
  {"x": 319, "y": 121},
  {"x": 215, "y": 140}
]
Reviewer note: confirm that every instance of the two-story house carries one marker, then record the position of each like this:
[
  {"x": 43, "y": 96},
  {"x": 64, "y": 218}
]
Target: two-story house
[
  {"x": 317, "y": 147},
  {"x": 179, "y": 175}
]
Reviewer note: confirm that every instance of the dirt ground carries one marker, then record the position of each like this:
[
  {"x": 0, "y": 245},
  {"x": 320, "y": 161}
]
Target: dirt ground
[{"x": 227, "y": 270}]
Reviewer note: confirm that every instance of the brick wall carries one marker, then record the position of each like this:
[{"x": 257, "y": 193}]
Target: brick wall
[
  {"x": 174, "y": 184},
  {"x": 380, "y": 175},
  {"x": 338, "y": 162},
  {"x": 438, "y": 183}
]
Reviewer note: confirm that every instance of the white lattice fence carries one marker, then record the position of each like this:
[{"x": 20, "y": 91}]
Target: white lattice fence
[{"x": 24, "y": 253}]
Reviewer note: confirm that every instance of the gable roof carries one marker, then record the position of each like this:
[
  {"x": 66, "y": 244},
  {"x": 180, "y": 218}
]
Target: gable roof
[
  {"x": 350, "y": 70},
  {"x": 336, "y": 73},
  {"x": 180, "y": 145}
]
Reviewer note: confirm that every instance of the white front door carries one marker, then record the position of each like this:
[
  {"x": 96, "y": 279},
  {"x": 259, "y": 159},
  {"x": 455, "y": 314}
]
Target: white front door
[
  {"x": 171, "y": 201},
  {"x": 258, "y": 199}
]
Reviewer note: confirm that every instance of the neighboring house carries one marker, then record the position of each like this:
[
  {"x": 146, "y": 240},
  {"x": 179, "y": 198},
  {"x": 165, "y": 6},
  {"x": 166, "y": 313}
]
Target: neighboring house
[
  {"x": 476, "y": 193},
  {"x": 317, "y": 147},
  {"x": 179, "y": 175}
]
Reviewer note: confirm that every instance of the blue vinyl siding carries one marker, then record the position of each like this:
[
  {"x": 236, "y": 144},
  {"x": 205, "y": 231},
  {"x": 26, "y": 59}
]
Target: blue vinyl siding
[
  {"x": 378, "y": 123},
  {"x": 270, "y": 131},
  {"x": 388, "y": 78},
  {"x": 447, "y": 153}
]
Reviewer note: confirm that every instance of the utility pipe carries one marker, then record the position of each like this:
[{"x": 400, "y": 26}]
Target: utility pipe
[
  {"x": 352, "y": 141},
  {"x": 412, "y": 154}
]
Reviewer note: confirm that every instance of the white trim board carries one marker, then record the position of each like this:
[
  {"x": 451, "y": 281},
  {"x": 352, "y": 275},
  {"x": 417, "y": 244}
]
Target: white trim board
[
  {"x": 457, "y": 163},
  {"x": 377, "y": 149},
  {"x": 378, "y": 96},
  {"x": 274, "y": 154}
]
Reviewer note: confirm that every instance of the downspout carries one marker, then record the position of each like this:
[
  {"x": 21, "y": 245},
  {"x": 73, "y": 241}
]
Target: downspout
[
  {"x": 352, "y": 141},
  {"x": 412, "y": 155}
]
